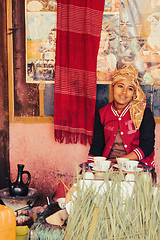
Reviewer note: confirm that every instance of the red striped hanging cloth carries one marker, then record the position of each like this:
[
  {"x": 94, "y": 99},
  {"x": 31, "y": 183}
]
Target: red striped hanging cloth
[{"x": 78, "y": 34}]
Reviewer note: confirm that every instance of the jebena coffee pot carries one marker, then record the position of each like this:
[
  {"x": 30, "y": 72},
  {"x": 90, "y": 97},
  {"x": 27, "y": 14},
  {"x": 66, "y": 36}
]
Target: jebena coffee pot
[{"x": 19, "y": 188}]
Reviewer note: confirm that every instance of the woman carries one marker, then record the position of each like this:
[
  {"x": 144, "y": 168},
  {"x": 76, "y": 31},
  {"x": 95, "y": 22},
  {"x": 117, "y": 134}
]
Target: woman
[{"x": 125, "y": 127}]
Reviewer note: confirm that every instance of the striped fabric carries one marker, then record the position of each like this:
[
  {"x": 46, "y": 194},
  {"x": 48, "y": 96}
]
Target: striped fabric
[{"x": 78, "y": 35}]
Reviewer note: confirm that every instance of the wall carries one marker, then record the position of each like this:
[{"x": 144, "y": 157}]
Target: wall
[{"x": 46, "y": 160}]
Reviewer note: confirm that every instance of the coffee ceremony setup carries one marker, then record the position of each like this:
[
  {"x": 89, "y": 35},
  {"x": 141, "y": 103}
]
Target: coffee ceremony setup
[{"x": 80, "y": 119}]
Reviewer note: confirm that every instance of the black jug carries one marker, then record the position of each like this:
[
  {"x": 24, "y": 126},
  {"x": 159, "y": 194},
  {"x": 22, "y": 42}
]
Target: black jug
[{"x": 19, "y": 188}]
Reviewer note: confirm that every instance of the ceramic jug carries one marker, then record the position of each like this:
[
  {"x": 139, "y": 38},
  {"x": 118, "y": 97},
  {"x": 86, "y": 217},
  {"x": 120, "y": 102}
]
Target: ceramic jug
[{"x": 19, "y": 188}]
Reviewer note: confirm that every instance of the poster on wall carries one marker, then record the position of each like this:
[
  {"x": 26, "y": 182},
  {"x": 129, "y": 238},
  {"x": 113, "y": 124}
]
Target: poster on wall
[
  {"x": 41, "y": 22},
  {"x": 108, "y": 48},
  {"x": 139, "y": 38},
  {"x": 139, "y": 44},
  {"x": 130, "y": 35}
]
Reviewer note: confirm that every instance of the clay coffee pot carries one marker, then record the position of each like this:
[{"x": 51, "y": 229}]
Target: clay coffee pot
[{"x": 19, "y": 188}]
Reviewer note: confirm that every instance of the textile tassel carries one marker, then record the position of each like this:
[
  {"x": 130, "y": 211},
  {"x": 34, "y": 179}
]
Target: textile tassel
[
  {"x": 60, "y": 136},
  {"x": 78, "y": 36}
]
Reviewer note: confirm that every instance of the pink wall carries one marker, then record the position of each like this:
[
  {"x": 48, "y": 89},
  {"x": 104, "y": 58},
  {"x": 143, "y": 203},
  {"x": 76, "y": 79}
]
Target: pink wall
[{"x": 46, "y": 160}]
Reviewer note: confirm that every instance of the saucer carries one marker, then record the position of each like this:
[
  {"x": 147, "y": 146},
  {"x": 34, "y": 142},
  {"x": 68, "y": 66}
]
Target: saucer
[
  {"x": 91, "y": 164},
  {"x": 97, "y": 169},
  {"x": 133, "y": 170},
  {"x": 129, "y": 170}
]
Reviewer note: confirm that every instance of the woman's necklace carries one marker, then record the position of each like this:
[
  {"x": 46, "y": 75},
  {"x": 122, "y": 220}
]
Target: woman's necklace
[{"x": 119, "y": 108}]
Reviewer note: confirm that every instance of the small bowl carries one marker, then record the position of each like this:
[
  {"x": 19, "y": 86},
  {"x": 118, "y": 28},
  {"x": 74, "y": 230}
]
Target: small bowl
[{"x": 19, "y": 201}]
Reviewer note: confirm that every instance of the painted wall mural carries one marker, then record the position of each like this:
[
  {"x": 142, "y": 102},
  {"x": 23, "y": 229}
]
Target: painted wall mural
[
  {"x": 41, "y": 20},
  {"x": 139, "y": 41},
  {"x": 130, "y": 35},
  {"x": 139, "y": 44},
  {"x": 134, "y": 39},
  {"x": 108, "y": 48}
]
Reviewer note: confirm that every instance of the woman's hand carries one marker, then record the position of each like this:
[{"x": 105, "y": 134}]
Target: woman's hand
[{"x": 131, "y": 156}]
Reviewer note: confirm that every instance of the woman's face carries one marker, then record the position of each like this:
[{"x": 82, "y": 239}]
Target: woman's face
[{"x": 123, "y": 92}]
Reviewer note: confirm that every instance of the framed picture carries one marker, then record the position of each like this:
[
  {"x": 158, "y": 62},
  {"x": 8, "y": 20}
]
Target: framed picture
[{"x": 41, "y": 22}]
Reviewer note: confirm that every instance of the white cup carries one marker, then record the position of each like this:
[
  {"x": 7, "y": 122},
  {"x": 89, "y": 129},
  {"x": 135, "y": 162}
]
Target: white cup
[
  {"x": 122, "y": 162},
  {"x": 104, "y": 165},
  {"x": 131, "y": 165},
  {"x": 61, "y": 203},
  {"x": 98, "y": 160}
]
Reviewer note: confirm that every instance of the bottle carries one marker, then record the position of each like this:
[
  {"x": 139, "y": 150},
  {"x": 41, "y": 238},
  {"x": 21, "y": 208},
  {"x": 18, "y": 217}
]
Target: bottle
[{"x": 7, "y": 223}]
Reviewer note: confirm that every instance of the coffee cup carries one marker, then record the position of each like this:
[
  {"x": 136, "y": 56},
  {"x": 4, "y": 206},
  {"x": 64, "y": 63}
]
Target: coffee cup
[
  {"x": 98, "y": 160},
  {"x": 122, "y": 162},
  {"x": 131, "y": 165},
  {"x": 104, "y": 165}
]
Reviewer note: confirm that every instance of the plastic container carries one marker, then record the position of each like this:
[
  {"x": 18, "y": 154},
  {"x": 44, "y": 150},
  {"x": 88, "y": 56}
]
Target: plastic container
[
  {"x": 7, "y": 223},
  {"x": 21, "y": 232}
]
